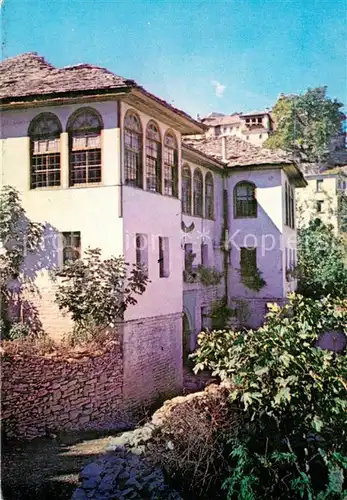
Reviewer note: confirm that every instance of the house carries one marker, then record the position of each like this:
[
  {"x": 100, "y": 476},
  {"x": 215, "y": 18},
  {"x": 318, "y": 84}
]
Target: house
[
  {"x": 96, "y": 158},
  {"x": 101, "y": 162},
  {"x": 260, "y": 241},
  {"x": 322, "y": 197},
  {"x": 254, "y": 127}
]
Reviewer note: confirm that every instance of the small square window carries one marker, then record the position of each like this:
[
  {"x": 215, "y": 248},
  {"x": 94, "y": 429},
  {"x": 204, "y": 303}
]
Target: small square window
[
  {"x": 142, "y": 251},
  {"x": 248, "y": 261},
  {"x": 188, "y": 257},
  {"x": 204, "y": 254},
  {"x": 71, "y": 246},
  {"x": 164, "y": 257},
  {"x": 320, "y": 206},
  {"x": 319, "y": 185}
]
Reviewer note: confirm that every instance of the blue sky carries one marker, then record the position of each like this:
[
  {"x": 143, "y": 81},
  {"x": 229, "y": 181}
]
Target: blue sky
[{"x": 201, "y": 56}]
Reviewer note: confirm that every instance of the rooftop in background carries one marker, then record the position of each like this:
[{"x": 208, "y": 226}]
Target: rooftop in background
[
  {"x": 29, "y": 77},
  {"x": 238, "y": 151}
]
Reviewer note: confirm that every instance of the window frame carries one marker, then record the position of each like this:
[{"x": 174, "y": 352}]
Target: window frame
[
  {"x": 198, "y": 195},
  {"x": 170, "y": 168},
  {"x": 319, "y": 185},
  {"x": 209, "y": 214},
  {"x": 142, "y": 252},
  {"x": 156, "y": 159},
  {"x": 187, "y": 193},
  {"x": 164, "y": 257},
  {"x": 204, "y": 255},
  {"x": 130, "y": 151},
  {"x": 65, "y": 235},
  {"x": 253, "y": 200},
  {"x": 88, "y": 152},
  {"x": 47, "y": 170},
  {"x": 319, "y": 206},
  {"x": 244, "y": 261}
]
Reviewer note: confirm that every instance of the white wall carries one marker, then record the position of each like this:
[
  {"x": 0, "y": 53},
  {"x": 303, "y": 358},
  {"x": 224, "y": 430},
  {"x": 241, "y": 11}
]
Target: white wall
[
  {"x": 94, "y": 211},
  {"x": 263, "y": 232},
  {"x": 307, "y": 201},
  {"x": 155, "y": 215}
]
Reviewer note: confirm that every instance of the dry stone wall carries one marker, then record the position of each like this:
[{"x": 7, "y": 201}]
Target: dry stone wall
[{"x": 44, "y": 393}]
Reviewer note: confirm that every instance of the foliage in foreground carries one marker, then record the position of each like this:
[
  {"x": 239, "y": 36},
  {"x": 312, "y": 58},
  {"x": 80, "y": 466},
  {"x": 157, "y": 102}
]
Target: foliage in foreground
[
  {"x": 97, "y": 292},
  {"x": 305, "y": 124},
  {"x": 294, "y": 445},
  {"x": 18, "y": 237},
  {"x": 190, "y": 445},
  {"x": 321, "y": 261}
]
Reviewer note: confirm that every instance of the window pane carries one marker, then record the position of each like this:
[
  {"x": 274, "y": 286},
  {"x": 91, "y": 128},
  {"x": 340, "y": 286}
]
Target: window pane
[
  {"x": 248, "y": 261},
  {"x": 71, "y": 246},
  {"x": 198, "y": 193},
  {"x": 245, "y": 203},
  {"x": 164, "y": 264},
  {"x": 186, "y": 191}
]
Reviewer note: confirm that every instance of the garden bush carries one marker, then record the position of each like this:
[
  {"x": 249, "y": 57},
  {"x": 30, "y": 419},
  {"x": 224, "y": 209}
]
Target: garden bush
[
  {"x": 293, "y": 442},
  {"x": 191, "y": 444}
]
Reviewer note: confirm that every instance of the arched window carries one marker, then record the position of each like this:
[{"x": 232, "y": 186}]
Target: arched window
[
  {"x": 133, "y": 150},
  {"x": 186, "y": 190},
  {"x": 153, "y": 157},
  {"x": 44, "y": 133},
  {"x": 85, "y": 147},
  {"x": 245, "y": 202},
  {"x": 209, "y": 196},
  {"x": 170, "y": 165},
  {"x": 198, "y": 193}
]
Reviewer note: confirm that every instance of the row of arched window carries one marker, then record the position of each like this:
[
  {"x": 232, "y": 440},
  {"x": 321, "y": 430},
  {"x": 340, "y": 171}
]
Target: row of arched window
[
  {"x": 196, "y": 190},
  {"x": 160, "y": 156},
  {"x": 84, "y": 129}
]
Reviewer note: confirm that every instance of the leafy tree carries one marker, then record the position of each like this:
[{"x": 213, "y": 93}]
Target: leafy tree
[
  {"x": 305, "y": 124},
  {"x": 18, "y": 236},
  {"x": 342, "y": 212},
  {"x": 321, "y": 268},
  {"x": 97, "y": 292},
  {"x": 294, "y": 443}
]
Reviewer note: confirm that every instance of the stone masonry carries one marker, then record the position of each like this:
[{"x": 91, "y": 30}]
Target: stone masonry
[{"x": 44, "y": 393}]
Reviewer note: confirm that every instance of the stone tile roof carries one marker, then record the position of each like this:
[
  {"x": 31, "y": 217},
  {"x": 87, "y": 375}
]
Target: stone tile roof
[
  {"x": 238, "y": 151},
  {"x": 222, "y": 120},
  {"x": 29, "y": 74}
]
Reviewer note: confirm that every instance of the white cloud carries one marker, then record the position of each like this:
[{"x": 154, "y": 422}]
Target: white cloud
[{"x": 218, "y": 88}]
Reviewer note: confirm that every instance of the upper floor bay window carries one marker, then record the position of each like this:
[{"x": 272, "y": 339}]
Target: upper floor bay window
[
  {"x": 245, "y": 202},
  {"x": 133, "y": 150},
  {"x": 186, "y": 190},
  {"x": 209, "y": 196},
  {"x": 153, "y": 157},
  {"x": 198, "y": 193},
  {"x": 85, "y": 147},
  {"x": 44, "y": 133},
  {"x": 170, "y": 165}
]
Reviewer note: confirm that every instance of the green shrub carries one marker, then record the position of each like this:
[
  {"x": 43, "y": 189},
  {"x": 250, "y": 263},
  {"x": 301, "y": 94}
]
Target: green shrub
[
  {"x": 97, "y": 292},
  {"x": 191, "y": 444},
  {"x": 18, "y": 331},
  {"x": 295, "y": 397}
]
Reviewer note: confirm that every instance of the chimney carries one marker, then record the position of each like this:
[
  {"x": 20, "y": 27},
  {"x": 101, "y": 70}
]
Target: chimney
[{"x": 224, "y": 148}]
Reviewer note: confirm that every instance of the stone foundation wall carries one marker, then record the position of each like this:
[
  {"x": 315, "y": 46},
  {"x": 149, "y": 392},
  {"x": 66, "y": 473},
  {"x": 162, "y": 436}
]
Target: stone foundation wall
[
  {"x": 48, "y": 393},
  {"x": 87, "y": 390},
  {"x": 152, "y": 350}
]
